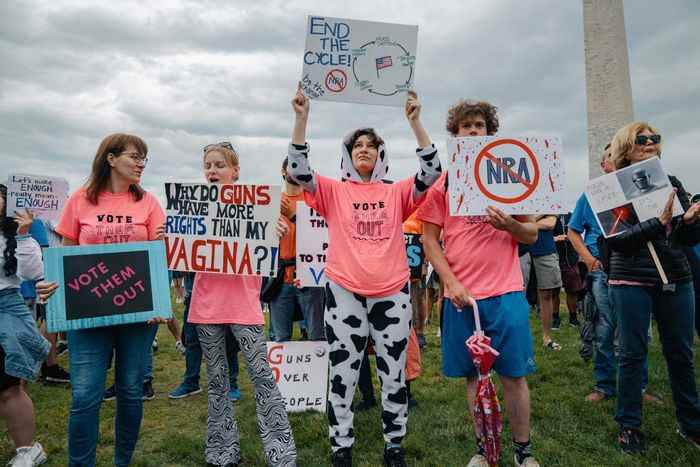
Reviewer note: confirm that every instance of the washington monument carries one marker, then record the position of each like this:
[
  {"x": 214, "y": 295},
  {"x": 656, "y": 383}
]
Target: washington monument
[{"x": 608, "y": 87}]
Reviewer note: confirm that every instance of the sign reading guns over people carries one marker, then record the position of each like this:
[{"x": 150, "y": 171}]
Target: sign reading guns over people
[
  {"x": 219, "y": 228},
  {"x": 358, "y": 61},
  {"x": 43, "y": 196},
  {"x": 517, "y": 175},
  {"x": 105, "y": 285}
]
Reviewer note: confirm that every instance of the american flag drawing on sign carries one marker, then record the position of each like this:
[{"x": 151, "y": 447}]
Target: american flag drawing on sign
[{"x": 383, "y": 62}]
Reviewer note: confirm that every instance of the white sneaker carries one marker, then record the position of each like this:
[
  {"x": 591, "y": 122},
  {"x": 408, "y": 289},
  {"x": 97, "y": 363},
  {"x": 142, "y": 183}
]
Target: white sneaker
[
  {"x": 478, "y": 461},
  {"x": 28, "y": 456},
  {"x": 528, "y": 462},
  {"x": 180, "y": 347}
]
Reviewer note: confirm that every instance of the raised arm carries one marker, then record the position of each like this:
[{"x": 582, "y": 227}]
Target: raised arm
[
  {"x": 430, "y": 168},
  {"x": 299, "y": 169}
]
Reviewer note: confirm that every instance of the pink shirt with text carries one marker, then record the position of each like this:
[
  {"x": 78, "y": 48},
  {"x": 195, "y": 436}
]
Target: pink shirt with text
[
  {"x": 484, "y": 259},
  {"x": 116, "y": 218},
  {"x": 226, "y": 299},
  {"x": 366, "y": 252}
]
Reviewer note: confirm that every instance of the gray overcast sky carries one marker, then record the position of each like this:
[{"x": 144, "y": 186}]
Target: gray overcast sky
[{"x": 182, "y": 74}]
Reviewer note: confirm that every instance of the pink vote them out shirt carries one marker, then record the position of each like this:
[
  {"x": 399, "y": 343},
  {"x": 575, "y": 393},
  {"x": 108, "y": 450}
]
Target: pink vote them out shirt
[
  {"x": 116, "y": 218},
  {"x": 484, "y": 259},
  {"x": 366, "y": 253}
]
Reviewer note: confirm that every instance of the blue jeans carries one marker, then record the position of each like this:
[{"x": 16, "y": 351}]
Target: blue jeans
[
  {"x": 606, "y": 333},
  {"x": 675, "y": 317},
  {"x": 193, "y": 353},
  {"x": 89, "y": 351},
  {"x": 309, "y": 299}
]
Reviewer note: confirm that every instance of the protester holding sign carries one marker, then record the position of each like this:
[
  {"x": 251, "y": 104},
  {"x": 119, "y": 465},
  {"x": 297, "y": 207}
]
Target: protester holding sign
[
  {"x": 111, "y": 208},
  {"x": 367, "y": 291},
  {"x": 221, "y": 301},
  {"x": 638, "y": 292},
  {"x": 489, "y": 274},
  {"x": 308, "y": 299},
  {"x": 22, "y": 348}
]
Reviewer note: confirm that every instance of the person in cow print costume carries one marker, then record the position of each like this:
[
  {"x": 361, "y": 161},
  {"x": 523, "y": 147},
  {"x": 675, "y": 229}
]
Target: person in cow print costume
[{"x": 368, "y": 286}]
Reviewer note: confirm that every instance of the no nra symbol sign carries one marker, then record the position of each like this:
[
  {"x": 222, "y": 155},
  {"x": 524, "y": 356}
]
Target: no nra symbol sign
[{"x": 506, "y": 171}]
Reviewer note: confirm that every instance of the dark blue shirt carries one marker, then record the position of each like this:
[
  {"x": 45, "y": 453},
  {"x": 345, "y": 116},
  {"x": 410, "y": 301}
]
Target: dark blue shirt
[
  {"x": 544, "y": 244},
  {"x": 584, "y": 222}
]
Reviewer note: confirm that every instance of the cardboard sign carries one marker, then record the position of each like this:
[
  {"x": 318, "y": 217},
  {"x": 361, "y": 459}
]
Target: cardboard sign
[
  {"x": 301, "y": 373},
  {"x": 517, "y": 175},
  {"x": 415, "y": 255},
  {"x": 358, "y": 61},
  {"x": 218, "y": 228},
  {"x": 312, "y": 243},
  {"x": 629, "y": 196},
  {"x": 105, "y": 285},
  {"x": 43, "y": 196}
]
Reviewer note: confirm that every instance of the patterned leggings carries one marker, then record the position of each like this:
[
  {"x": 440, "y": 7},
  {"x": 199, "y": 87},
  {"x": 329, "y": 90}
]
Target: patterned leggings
[
  {"x": 223, "y": 443},
  {"x": 350, "y": 319}
]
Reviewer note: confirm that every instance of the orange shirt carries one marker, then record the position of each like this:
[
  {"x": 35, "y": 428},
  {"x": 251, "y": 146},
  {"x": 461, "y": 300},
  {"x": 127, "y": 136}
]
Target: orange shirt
[
  {"x": 288, "y": 243},
  {"x": 413, "y": 225}
]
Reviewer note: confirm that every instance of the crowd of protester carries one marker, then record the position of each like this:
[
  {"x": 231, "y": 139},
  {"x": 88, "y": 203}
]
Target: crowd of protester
[{"x": 372, "y": 304}]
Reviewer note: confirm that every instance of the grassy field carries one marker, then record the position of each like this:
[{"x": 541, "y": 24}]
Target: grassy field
[{"x": 566, "y": 430}]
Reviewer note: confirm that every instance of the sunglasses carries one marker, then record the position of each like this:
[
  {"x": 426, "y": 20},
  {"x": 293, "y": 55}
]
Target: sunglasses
[
  {"x": 641, "y": 140},
  {"x": 223, "y": 144}
]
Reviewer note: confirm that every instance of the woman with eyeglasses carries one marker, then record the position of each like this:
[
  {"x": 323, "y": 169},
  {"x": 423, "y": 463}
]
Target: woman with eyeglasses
[
  {"x": 111, "y": 208},
  {"x": 637, "y": 293},
  {"x": 222, "y": 302},
  {"x": 367, "y": 293}
]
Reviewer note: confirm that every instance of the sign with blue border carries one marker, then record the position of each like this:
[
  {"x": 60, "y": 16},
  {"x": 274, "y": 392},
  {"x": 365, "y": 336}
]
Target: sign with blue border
[{"x": 107, "y": 285}]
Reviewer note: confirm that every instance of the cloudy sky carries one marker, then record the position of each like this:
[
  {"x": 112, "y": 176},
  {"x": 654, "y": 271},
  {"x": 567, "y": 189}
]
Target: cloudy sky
[{"x": 182, "y": 74}]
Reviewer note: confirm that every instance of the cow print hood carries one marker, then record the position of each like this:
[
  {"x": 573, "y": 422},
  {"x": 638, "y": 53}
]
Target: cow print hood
[{"x": 347, "y": 169}]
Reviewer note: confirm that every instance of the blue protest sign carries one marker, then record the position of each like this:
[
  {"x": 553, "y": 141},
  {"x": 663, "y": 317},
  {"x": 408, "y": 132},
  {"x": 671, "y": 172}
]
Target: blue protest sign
[{"x": 106, "y": 285}]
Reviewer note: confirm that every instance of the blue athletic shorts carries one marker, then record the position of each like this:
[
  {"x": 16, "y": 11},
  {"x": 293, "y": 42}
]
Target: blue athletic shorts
[{"x": 505, "y": 320}]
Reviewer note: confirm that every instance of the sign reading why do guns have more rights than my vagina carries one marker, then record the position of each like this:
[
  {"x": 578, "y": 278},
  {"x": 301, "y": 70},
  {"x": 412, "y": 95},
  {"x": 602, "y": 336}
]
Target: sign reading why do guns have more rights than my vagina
[
  {"x": 519, "y": 175},
  {"x": 312, "y": 246},
  {"x": 105, "y": 285},
  {"x": 222, "y": 228},
  {"x": 43, "y": 196},
  {"x": 358, "y": 61},
  {"x": 301, "y": 373}
]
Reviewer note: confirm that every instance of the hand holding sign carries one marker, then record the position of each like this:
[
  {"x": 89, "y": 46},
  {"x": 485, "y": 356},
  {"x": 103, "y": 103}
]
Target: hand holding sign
[
  {"x": 413, "y": 106},
  {"x": 692, "y": 213},
  {"x": 300, "y": 104},
  {"x": 498, "y": 219},
  {"x": 24, "y": 221},
  {"x": 667, "y": 213},
  {"x": 44, "y": 290}
]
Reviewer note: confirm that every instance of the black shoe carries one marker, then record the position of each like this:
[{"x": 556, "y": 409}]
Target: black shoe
[
  {"x": 110, "y": 394},
  {"x": 342, "y": 458},
  {"x": 61, "y": 348},
  {"x": 148, "y": 393},
  {"x": 556, "y": 322},
  {"x": 412, "y": 404},
  {"x": 394, "y": 457},
  {"x": 365, "y": 404},
  {"x": 574, "y": 322},
  {"x": 421, "y": 341},
  {"x": 55, "y": 374},
  {"x": 631, "y": 441}
]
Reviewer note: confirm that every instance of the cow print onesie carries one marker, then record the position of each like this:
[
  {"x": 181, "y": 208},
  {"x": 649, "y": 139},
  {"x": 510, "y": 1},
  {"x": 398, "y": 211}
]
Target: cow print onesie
[{"x": 350, "y": 318}]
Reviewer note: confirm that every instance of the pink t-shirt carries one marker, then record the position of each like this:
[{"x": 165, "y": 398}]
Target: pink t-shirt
[
  {"x": 366, "y": 252},
  {"x": 116, "y": 218},
  {"x": 226, "y": 299},
  {"x": 484, "y": 259}
]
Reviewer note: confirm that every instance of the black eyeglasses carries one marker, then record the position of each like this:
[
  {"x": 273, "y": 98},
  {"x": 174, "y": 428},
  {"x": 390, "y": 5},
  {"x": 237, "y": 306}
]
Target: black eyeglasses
[
  {"x": 641, "y": 140},
  {"x": 223, "y": 144}
]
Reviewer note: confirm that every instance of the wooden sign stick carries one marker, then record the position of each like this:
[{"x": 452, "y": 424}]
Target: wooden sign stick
[{"x": 659, "y": 268}]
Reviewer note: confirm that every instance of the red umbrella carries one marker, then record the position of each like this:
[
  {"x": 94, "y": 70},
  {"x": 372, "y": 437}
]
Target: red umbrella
[{"x": 487, "y": 410}]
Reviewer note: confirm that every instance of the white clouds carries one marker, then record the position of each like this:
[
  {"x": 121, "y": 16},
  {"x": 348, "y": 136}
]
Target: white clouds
[{"x": 184, "y": 74}]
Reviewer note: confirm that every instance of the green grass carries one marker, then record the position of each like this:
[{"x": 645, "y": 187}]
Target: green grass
[{"x": 566, "y": 431}]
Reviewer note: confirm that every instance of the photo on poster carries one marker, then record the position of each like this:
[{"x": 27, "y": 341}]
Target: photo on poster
[
  {"x": 642, "y": 179},
  {"x": 616, "y": 220}
]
